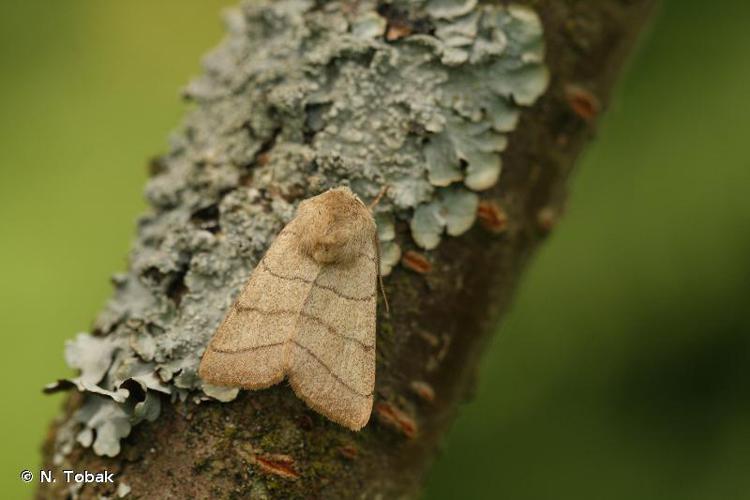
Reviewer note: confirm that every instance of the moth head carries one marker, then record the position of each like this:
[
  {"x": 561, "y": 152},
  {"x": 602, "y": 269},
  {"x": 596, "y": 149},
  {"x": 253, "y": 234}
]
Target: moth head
[{"x": 334, "y": 226}]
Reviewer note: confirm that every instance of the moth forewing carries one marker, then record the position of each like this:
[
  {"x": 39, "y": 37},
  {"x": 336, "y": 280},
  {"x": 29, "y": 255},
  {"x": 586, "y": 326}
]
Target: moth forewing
[{"x": 308, "y": 313}]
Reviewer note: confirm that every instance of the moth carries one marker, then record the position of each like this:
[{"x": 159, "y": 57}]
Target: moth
[{"x": 308, "y": 313}]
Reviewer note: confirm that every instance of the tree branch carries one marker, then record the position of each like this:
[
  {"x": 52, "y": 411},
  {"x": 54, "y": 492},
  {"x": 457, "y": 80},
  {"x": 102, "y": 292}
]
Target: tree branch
[{"x": 259, "y": 141}]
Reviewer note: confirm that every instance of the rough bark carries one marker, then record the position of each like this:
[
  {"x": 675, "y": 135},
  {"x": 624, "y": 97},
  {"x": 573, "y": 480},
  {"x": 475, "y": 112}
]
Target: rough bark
[{"x": 268, "y": 444}]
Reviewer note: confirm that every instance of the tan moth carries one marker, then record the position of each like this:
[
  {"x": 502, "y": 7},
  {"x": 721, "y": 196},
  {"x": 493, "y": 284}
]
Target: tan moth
[{"x": 307, "y": 313}]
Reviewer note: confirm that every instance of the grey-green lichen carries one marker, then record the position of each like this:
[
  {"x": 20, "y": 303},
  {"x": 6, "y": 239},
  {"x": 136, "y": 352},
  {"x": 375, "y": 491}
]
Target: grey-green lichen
[
  {"x": 300, "y": 97},
  {"x": 452, "y": 210}
]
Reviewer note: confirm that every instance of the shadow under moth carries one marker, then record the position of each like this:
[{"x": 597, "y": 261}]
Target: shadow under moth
[{"x": 307, "y": 313}]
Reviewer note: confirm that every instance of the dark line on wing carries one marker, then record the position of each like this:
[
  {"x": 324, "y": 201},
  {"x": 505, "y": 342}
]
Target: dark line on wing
[
  {"x": 330, "y": 328},
  {"x": 328, "y": 368},
  {"x": 244, "y": 349},
  {"x": 304, "y": 348},
  {"x": 314, "y": 283}
]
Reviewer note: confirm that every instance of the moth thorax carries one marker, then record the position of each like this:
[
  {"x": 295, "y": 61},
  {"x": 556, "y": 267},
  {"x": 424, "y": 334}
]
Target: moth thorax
[
  {"x": 334, "y": 226},
  {"x": 334, "y": 246}
]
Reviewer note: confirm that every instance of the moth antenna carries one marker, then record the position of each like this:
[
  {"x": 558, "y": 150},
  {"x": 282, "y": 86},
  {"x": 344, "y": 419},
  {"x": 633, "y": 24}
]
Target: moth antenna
[
  {"x": 382, "y": 291},
  {"x": 377, "y": 199},
  {"x": 380, "y": 278}
]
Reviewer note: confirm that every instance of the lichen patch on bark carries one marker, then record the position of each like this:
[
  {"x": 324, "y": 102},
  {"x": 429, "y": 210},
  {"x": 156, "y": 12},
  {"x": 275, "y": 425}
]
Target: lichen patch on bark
[{"x": 300, "y": 97}]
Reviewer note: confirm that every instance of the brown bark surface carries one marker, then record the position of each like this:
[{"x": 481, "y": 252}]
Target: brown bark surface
[{"x": 269, "y": 444}]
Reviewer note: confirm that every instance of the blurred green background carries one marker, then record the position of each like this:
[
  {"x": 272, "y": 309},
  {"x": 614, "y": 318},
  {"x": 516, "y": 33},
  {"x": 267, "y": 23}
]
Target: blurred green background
[{"x": 623, "y": 369}]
